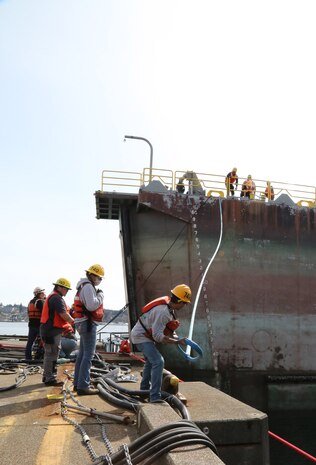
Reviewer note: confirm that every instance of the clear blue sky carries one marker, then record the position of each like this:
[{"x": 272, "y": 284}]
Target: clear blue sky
[{"x": 212, "y": 84}]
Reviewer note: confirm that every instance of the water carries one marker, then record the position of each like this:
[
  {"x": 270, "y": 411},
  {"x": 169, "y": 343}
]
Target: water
[
  {"x": 298, "y": 428},
  {"x": 20, "y": 328}
]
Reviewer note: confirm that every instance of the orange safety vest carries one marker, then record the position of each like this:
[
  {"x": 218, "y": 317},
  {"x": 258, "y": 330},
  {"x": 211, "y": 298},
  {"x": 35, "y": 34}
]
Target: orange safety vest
[
  {"x": 79, "y": 310},
  {"x": 171, "y": 326},
  {"x": 58, "y": 321},
  {"x": 231, "y": 178},
  {"x": 33, "y": 311},
  {"x": 271, "y": 192},
  {"x": 68, "y": 329}
]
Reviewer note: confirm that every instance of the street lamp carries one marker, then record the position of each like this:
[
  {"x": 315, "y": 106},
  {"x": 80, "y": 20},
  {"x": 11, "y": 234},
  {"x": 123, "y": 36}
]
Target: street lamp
[{"x": 151, "y": 152}]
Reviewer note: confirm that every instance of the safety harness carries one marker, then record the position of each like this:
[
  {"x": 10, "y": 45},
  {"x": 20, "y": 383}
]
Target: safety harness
[{"x": 171, "y": 326}]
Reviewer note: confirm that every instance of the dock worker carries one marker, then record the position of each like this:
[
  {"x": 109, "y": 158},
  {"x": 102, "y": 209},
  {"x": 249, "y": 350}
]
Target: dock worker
[
  {"x": 54, "y": 319},
  {"x": 248, "y": 188},
  {"x": 88, "y": 313},
  {"x": 34, "y": 310},
  {"x": 231, "y": 182},
  {"x": 269, "y": 192},
  {"x": 195, "y": 186},
  {"x": 157, "y": 324}
]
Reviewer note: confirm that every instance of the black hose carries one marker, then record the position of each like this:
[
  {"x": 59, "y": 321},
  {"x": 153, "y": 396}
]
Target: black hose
[
  {"x": 19, "y": 379},
  {"x": 163, "y": 439},
  {"x": 170, "y": 428},
  {"x": 161, "y": 429},
  {"x": 172, "y": 400},
  {"x": 172, "y": 446},
  {"x": 113, "y": 400},
  {"x": 143, "y": 394}
]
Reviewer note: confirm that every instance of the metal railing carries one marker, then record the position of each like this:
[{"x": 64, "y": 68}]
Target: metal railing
[
  {"x": 112, "y": 341},
  {"x": 211, "y": 184},
  {"x": 121, "y": 179}
]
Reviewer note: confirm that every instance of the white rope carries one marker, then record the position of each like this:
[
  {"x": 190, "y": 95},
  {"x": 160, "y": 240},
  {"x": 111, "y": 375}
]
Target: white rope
[{"x": 188, "y": 348}]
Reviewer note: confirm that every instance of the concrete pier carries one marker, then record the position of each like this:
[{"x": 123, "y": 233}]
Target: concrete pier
[{"x": 33, "y": 431}]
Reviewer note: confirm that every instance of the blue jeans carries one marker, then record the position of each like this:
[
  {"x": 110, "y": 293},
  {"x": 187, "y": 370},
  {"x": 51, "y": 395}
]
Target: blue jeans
[
  {"x": 84, "y": 358},
  {"x": 153, "y": 369},
  {"x": 33, "y": 333},
  {"x": 67, "y": 347}
]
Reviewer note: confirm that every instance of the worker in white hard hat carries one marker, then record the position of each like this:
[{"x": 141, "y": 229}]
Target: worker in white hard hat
[{"x": 34, "y": 310}]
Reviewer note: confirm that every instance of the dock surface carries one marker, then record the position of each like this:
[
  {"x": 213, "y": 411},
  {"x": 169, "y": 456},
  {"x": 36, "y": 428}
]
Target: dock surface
[{"x": 35, "y": 430}]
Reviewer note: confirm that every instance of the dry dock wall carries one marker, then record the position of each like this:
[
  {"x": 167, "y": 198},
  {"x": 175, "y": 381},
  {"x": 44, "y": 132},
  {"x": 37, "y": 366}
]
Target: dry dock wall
[{"x": 256, "y": 313}]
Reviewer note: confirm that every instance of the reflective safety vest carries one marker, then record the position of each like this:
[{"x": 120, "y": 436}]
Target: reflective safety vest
[
  {"x": 33, "y": 311},
  {"x": 171, "y": 326},
  {"x": 80, "y": 311},
  {"x": 231, "y": 178},
  {"x": 58, "y": 321}
]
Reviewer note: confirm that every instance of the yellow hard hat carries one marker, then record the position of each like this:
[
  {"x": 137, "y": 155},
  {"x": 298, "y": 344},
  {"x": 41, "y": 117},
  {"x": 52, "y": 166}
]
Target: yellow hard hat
[
  {"x": 63, "y": 282},
  {"x": 183, "y": 292},
  {"x": 97, "y": 270},
  {"x": 234, "y": 169}
]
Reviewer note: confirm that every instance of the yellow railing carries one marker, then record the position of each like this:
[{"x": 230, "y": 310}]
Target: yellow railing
[
  {"x": 164, "y": 176},
  {"x": 209, "y": 184},
  {"x": 121, "y": 178}
]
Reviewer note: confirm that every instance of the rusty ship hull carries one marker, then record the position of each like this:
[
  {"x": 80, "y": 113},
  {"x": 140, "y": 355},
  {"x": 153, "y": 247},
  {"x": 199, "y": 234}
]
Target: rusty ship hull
[{"x": 255, "y": 314}]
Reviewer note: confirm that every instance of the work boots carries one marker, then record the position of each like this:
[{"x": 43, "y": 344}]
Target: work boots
[{"x": 87, "y": 391}]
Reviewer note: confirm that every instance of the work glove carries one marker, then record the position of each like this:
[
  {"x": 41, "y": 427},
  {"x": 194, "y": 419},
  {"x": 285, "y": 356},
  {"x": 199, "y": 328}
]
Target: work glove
[{"x": 100, "y": 294}]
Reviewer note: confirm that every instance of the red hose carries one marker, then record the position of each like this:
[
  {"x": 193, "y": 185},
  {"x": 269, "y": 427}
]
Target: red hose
[{"x": 297, "y": 449}]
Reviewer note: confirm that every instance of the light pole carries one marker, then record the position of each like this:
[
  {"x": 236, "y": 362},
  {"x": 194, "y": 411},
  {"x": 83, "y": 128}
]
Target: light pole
[{"x": 151, "y": 152}]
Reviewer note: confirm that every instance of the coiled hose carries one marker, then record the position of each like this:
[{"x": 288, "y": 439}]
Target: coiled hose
[{"x": 26, "y": 370}]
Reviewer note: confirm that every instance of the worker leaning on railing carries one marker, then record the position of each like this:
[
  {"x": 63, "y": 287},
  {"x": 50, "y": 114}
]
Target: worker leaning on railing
[
  {"x": 230, "y": 180},
  {"x": 195, "y": 187},
  {"x": 248, "y": 188},
  {"x": 269, "y": 192}
]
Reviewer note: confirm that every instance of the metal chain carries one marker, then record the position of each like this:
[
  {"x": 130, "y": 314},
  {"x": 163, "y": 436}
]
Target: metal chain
[
  {"x": 127, "y": 455},
  {"x": 85, "y": 437},
  {"x": 107, "y": 460},
  {"x": 86, "y": 440},
  {"x": 106, "y": 440},
  {"x": 214, "y": 354}
]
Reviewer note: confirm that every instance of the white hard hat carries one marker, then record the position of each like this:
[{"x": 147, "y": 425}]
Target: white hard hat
[{"x": 38, "y": 290}]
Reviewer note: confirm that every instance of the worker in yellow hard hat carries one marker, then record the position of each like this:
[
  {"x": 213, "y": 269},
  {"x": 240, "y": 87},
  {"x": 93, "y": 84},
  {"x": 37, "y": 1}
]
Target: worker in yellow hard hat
[
  {"x": 248, "y": 188},
  {"x": 54, "y": 319},
  {"x": 231, "y": 182},
  {"x": 269, "y": 191},
  {"x": 87, "y": 312},
  {"x": 157, "y": 324}
]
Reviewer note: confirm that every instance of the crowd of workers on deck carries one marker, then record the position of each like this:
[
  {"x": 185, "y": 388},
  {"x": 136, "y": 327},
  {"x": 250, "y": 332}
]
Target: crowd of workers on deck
[
  {"x": 248, "y": 188},
  {"x": 56, "y": 325}
]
